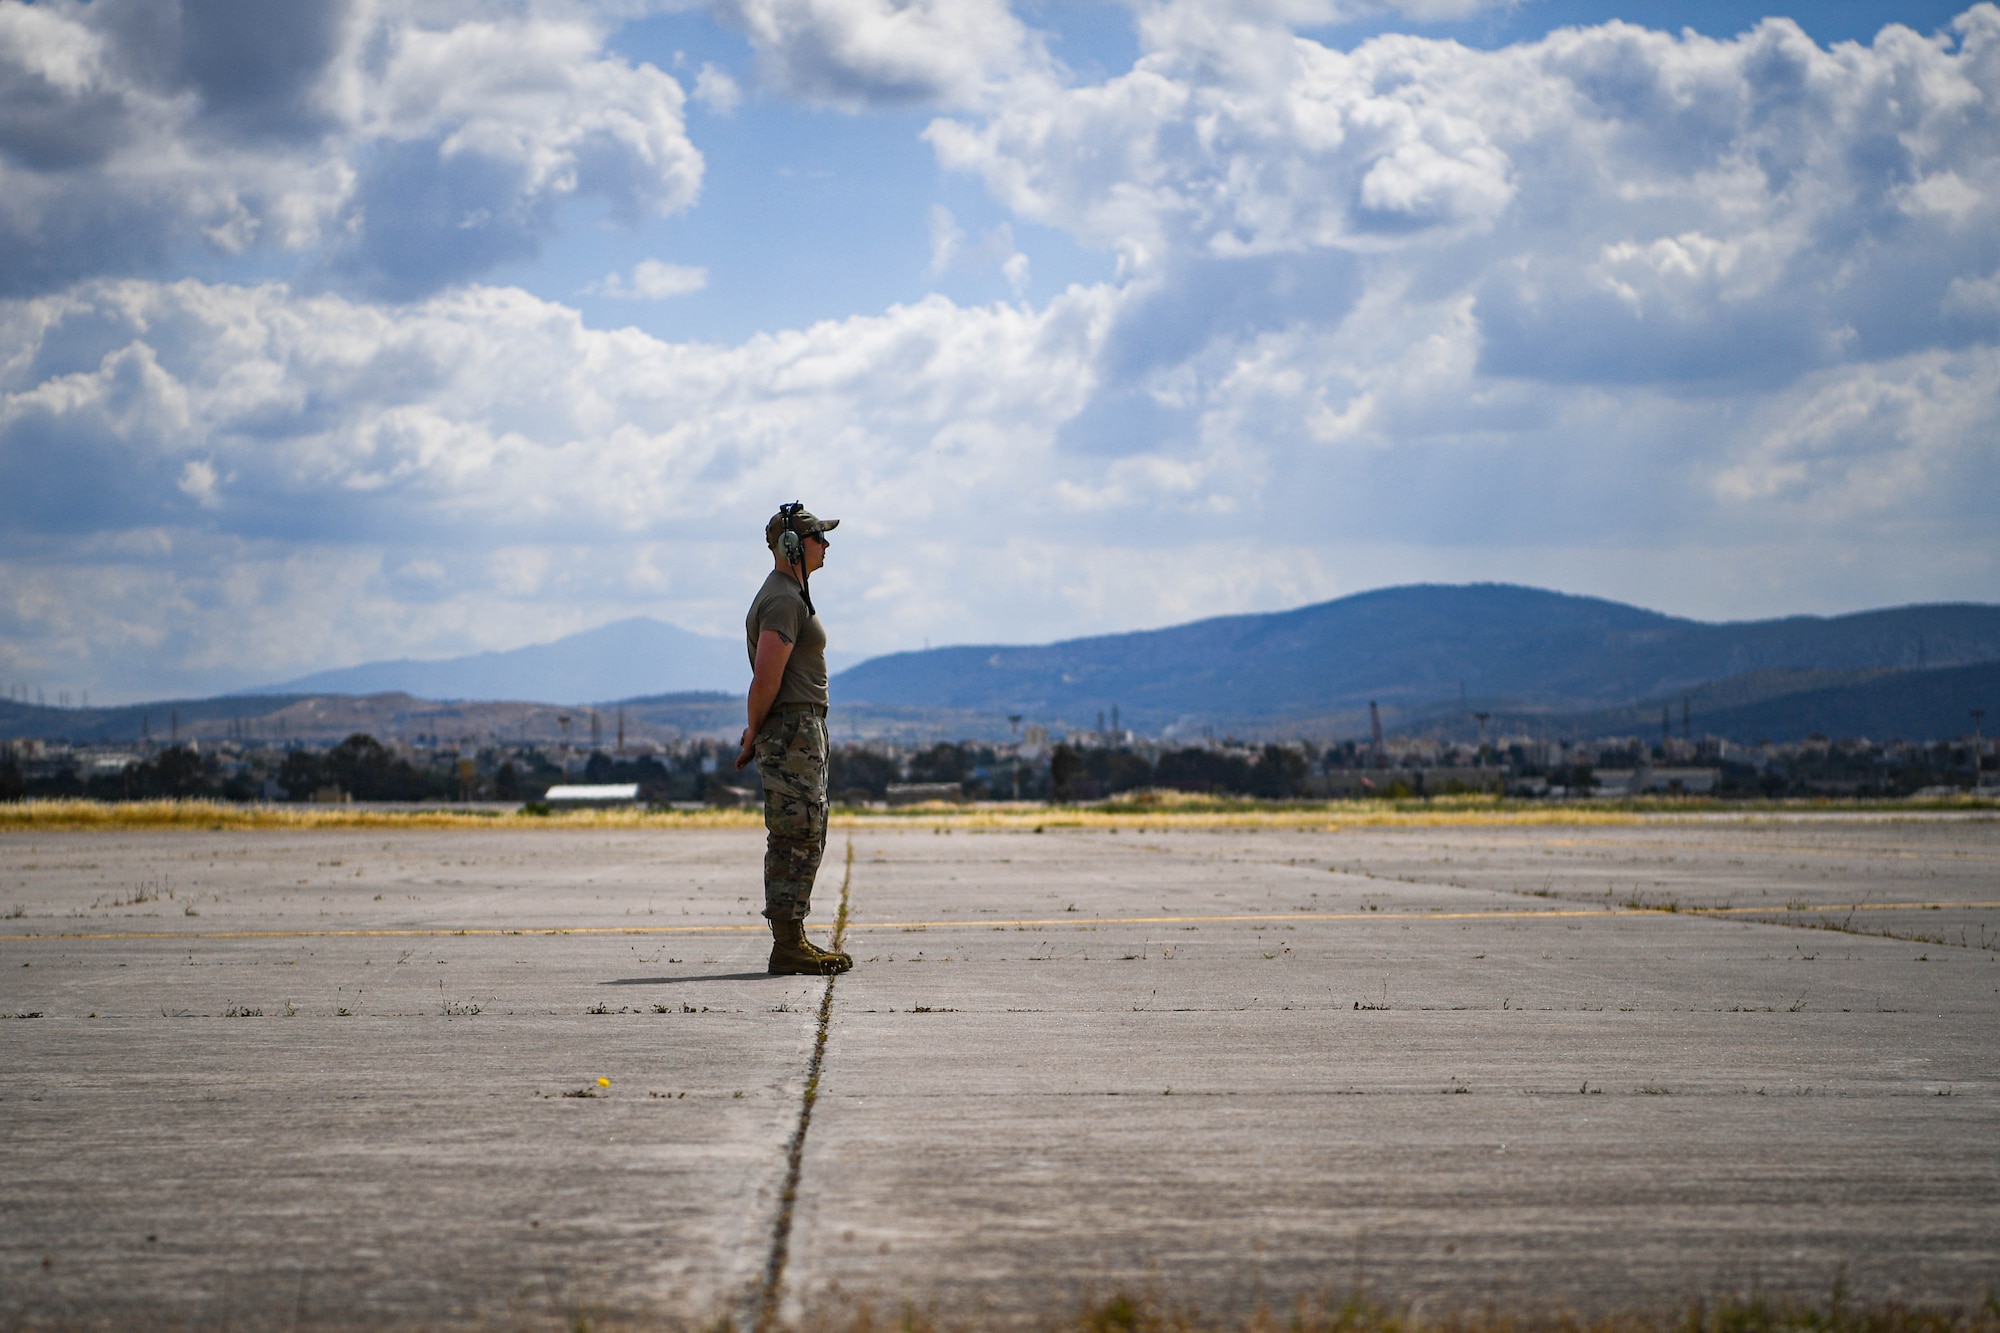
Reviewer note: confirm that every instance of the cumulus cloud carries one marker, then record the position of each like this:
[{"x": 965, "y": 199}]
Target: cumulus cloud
[
  {"x": 1309, "y": 13},
  {"x": 1624, "y": 204},
  {"x": 652, "y": 280},
  {"x": 862, "y": 53},
  {"x": 1518, "y": 265},
  {"x": 717, "y": 90},
  {"x": 1301, "y": 148},
  {"x": 1711, "y": 324},
  {"x": 488, "y": 420},
  {"x": 483, "y": 469},
  {"x": 952, "y": 249},
  {"x": 406, "y": 148}
]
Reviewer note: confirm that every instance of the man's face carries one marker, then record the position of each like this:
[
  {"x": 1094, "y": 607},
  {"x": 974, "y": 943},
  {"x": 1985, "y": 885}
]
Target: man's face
[{"x": 815, "y": 552}]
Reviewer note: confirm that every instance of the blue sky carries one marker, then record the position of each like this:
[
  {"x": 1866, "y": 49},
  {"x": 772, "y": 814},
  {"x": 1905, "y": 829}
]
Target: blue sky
[{"x": 365, "y": 330}]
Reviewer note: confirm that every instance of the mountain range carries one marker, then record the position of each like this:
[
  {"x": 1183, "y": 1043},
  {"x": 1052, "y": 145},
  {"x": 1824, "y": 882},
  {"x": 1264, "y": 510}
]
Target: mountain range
[
  {"x": 621, "y": 660},
  {"x": 1542, "y": 662},
  {"x": 1430, "y": 655}
]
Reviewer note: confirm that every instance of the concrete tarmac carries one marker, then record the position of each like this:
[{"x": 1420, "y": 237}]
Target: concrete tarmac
[{"x": 299, "y": 1078}]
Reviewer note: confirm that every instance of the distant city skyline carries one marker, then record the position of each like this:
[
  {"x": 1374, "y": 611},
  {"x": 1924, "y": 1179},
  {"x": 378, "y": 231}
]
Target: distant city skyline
[{"x": 352, "y": 332}]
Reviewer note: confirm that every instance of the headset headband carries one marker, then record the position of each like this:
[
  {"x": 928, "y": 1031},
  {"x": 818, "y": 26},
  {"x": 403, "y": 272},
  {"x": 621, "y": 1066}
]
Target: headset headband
[{"x": 790, "y": 514}]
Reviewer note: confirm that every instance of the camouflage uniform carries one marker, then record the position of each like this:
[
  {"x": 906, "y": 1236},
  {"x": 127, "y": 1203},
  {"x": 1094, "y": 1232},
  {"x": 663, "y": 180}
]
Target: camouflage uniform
[{"x": 791, "y": 760}]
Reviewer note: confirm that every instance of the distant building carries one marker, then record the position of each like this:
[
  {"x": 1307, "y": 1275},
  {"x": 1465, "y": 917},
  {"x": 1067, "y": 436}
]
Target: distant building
[
  {"x": 599, "y": 796},
  {"x": 915, "y": 793},
  {"x": 1440, "y": 781},
  {"x": 1668, "y": 781}
]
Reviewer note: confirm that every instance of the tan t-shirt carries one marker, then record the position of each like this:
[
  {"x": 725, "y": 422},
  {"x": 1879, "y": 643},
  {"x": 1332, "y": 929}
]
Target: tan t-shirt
[{"x": 780, "y": 607}]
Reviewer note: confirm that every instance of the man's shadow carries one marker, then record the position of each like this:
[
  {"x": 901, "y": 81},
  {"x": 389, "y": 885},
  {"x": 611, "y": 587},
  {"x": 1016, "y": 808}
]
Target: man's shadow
[{"x": 676, "y": 981}]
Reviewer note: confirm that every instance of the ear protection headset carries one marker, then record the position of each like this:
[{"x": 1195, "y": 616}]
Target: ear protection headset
[{"x": 793, "y": 548}]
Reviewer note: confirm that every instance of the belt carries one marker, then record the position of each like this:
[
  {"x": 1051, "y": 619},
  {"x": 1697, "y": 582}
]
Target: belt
[{"x": 817, "y": 710}]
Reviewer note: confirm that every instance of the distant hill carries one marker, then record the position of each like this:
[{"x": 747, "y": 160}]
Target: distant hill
[
  {"x": 130, "y": 722},
  {"x": 1882, "y": 705},
  {"x": 326, "y": 718},
  {"x": 1542, "y": 662},
  {"x": 1901, "y": 705},
  {"x": 624, "y": 659},
  {"x": 1417, "y": 650}
]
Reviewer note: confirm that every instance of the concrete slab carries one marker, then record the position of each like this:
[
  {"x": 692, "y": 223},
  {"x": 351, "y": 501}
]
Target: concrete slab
[
  {"x": 197, "y": 1133},
  {"x": 1231, "y": 1065},
  {"x": 1447, "y": 1086}
]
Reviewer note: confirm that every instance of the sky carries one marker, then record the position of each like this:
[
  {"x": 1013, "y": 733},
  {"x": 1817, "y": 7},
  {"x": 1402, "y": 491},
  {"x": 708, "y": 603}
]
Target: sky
[{"x": 342, "y": 331}]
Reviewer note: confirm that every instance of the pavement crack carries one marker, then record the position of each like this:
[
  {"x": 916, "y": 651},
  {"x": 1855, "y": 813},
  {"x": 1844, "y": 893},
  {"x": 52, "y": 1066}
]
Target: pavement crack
[{"x": 771, "y": 1291}]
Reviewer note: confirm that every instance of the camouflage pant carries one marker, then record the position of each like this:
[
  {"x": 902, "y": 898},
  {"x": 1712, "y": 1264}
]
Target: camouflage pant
[{"x": 791, "y": 760}]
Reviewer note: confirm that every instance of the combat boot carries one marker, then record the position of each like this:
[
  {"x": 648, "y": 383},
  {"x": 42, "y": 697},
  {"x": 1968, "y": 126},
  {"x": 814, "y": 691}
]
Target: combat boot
[
  {"x": 792, "y": 954},
  {"x": 839, "y": 957}
]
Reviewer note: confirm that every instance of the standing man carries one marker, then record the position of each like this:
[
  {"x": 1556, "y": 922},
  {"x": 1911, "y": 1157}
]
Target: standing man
[{"x": 787, "y": 735}]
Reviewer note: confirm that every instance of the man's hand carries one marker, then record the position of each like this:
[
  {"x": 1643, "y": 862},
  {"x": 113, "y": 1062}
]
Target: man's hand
[{"x": 748, "y": 752}]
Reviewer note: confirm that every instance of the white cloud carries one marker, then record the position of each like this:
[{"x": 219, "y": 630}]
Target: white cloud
[
  {"x": 1290, "y": 14},
  {"x": 1622, "y": 205},
  {"x": 946, "y": 239},
  {"x": 652, "y": 280},
  {"x": 1287, "y": 144},
  {"x": 716, "y": 89},
  {"x": 407, "y": 147},
  {"x": 198, "y": 482},
  {"x": 1972, "y": 295},
  {"x": 952, "y": 250},
  {"x": 1015, "y": 269},
  {"x": 1294, "y": 147},
  {"x": 494, "y": 434},
  {"x": 861, "y": 53},
  {"x": 180, "y": 462},
  {"x": 1706, "y": 323}
]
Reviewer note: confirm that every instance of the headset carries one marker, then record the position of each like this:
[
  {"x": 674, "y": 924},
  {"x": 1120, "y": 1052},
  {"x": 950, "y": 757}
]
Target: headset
[{"x": 793, "y": 548}]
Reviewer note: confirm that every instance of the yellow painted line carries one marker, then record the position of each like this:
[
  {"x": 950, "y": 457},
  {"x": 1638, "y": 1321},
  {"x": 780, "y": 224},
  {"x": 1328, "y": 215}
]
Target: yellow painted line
[
  {"x": 1495, "y": 914},
  {"x": 1773, "y": 848},
  {"x": 1829, "y": 907},
  {"x": 1487, "y": 915},
  {"x": 412, "y": 933},
  {"x": 1528, "y": 915}
]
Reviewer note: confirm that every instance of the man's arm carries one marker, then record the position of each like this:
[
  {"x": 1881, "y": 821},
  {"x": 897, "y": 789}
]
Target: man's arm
[{"x": 765, "y": 678}]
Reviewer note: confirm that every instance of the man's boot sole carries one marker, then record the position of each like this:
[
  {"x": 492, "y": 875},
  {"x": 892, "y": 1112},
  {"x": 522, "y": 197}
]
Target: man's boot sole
[{"x": 806, "y": 968}]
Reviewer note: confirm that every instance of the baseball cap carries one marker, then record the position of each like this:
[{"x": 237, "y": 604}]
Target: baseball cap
[{"x": 802, "y": 522}]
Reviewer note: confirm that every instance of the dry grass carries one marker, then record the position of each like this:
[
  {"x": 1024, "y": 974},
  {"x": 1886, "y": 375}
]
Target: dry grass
[
  {"x": 78, "y": 814},
  {"x": 1150, "y": 809}
]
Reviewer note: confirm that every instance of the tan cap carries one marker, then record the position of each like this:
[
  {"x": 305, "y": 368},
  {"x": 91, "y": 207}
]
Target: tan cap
[{"x": 800, "y": 520}]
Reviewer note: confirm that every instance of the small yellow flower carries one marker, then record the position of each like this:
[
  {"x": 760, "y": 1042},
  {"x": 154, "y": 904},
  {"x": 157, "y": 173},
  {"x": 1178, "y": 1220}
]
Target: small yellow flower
[{"x": 604, "y": 1083}]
